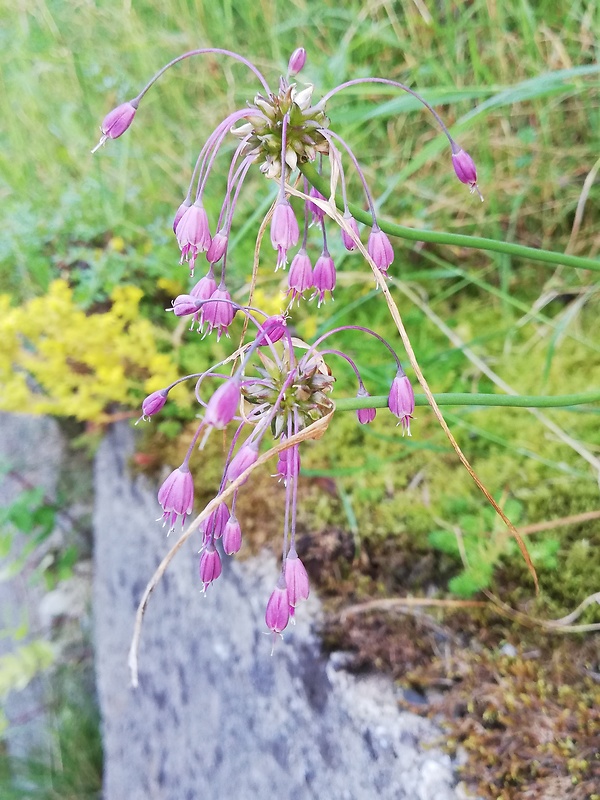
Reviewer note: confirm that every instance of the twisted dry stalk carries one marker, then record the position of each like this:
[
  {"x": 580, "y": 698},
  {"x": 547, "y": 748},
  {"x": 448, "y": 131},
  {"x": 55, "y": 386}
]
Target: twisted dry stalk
[{"x": 331, "y": 210}]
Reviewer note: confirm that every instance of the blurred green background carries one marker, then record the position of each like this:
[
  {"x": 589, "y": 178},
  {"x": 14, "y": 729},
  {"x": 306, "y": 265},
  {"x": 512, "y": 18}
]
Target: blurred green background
[{"x": 517, "y": 83}]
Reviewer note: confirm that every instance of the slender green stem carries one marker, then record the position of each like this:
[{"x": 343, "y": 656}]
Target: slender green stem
[
  {"x": 461, "y": 240},
  {"x": 473, "y": 399}
]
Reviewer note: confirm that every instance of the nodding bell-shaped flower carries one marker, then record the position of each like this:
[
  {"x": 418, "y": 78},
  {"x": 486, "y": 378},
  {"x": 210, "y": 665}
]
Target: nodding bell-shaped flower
[
  {"x": 153, "y": 403},
  {"x": 324, "y": 275},
  {"x": 297, "y": 61},
  {"x": 401, "y": 400},
  {"x": 365, "y": 415},
  {"x": 277, "y": 614},
  {"x": 347, "y": 240},
  {"x": 284, "y": 231},
  {"x": 272, "y": 330},
  {"x": 300, "y": 276},
  {"x": 210, "y": 566},
  {"x": 223, "y": 404},
  {"x": 203, "y": 290},
  {"x": 380, "y": 249},
  {"x": 213, "y": 526},
  {"x": 317, "y": 213},
  {"x": 465, "y": 169},
  {"x": 245, "y": 457},
  {"x": 176, "y": 496},
  {"x": 296, "y": 578},
  {"x": 218, "y": 312},
  {"x": 193, "y": 234},
  {"x": 116, "y": 122},
  {"x": 232, "y": 536},
  {"x": 217, "y": 248}
]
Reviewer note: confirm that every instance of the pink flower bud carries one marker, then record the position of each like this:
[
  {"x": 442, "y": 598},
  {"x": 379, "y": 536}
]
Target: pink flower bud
[
  {"x": 464, "y": 166},
  {"x": 217, "y": 248},
  {"x": 300, "y": 276},
  {"x": 365, "y": 415},
  {"x": 401, "y": 400},
  {"x": 176, "y": 495},
  {"x": 277, "y": 614},
  {"x": 223, "y": 404},
  {"x": 272, "y": 330},
  {"x": 380, "y": 249},
  {"x": 349, "y": 243},
  {"x": 284, "y": 231},
  {"x": 324, "y": 275},
  {"x": 297, "y": 61},
  {"x": 244, "y": 458},
  {"x": 153, "y": 403},
  {"x": 116, "y": 122},
  {"x": 232, "y": 536},
  {"x": 184, "y": 305},
  {"x": 210, "y": 566},
  {"x": 296, "y": 578},
  {"x": 465, "y": 169}
]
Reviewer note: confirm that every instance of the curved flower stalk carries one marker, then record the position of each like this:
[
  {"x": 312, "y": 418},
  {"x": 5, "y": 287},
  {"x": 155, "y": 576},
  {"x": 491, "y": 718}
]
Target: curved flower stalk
[{"x": 281, "y": 386}]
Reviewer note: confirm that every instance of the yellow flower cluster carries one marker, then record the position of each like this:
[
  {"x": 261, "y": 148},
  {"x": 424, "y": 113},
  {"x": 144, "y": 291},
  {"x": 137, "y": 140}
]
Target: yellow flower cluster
[{"x": 56, "y": 359}]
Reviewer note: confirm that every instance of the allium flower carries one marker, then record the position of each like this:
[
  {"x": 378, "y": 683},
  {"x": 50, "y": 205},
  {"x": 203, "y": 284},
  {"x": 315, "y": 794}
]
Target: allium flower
[
  {"x": 284, "y": 231},
  {"x": 214, "y": 525},
  {"x": 203, "y": 290},
  {"x": 324, "y": 275},
  {"x": 232, "y": 536},
  {"x": 296, "y": 578},
  {"x": 176, "y": 495},
  {"x": 244, "y": 458},
  {"x": 317, "y": 213},
  {"x": 272, "y": 330},
  {"x": 116, "y": 122},
  {"x": 297, "y": 61},
  {"x": 300, "y": 276},
  {"x": 210, "y": 566},
  {"x": 465, "y": 169},
  {"x": 217, "y": 248},
  {"x": 380, "y": 249},
  {"x": 349, "y": 243},
  {"x": 365, "y": 415},
  {"x": 193, "y": 234},
  {"x": 401, "y": 401},
  {"x": 277, "y": 614},
  {"x": 223, "y": 404},
  {"x": 218, "y": 312},
  {"x": 288, "y": 462},
  {"x": 153, "y": 403}
]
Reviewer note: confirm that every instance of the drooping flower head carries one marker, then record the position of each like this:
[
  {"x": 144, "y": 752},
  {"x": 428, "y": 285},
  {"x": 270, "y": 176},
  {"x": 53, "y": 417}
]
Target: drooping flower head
[
  {"x": 176, "y": 495},
  {"x": 401, "y": 401}
]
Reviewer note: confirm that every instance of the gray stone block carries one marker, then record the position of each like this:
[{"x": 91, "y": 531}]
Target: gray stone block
[{"x": 215, "y": 714}]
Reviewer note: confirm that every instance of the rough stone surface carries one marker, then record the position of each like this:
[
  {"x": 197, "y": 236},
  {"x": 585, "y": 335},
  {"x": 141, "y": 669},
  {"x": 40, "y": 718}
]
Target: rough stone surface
[
  {"x": 215, "y": 713},
  {"x": 31, "y": 455}
]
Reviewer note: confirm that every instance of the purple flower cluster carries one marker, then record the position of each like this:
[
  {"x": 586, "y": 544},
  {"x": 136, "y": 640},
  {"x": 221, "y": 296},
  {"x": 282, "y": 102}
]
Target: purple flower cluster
[
  {"x": 279, "y": 130},
  {"x": 280, "y": 385},
  {"x": 275, "y": 395}
]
